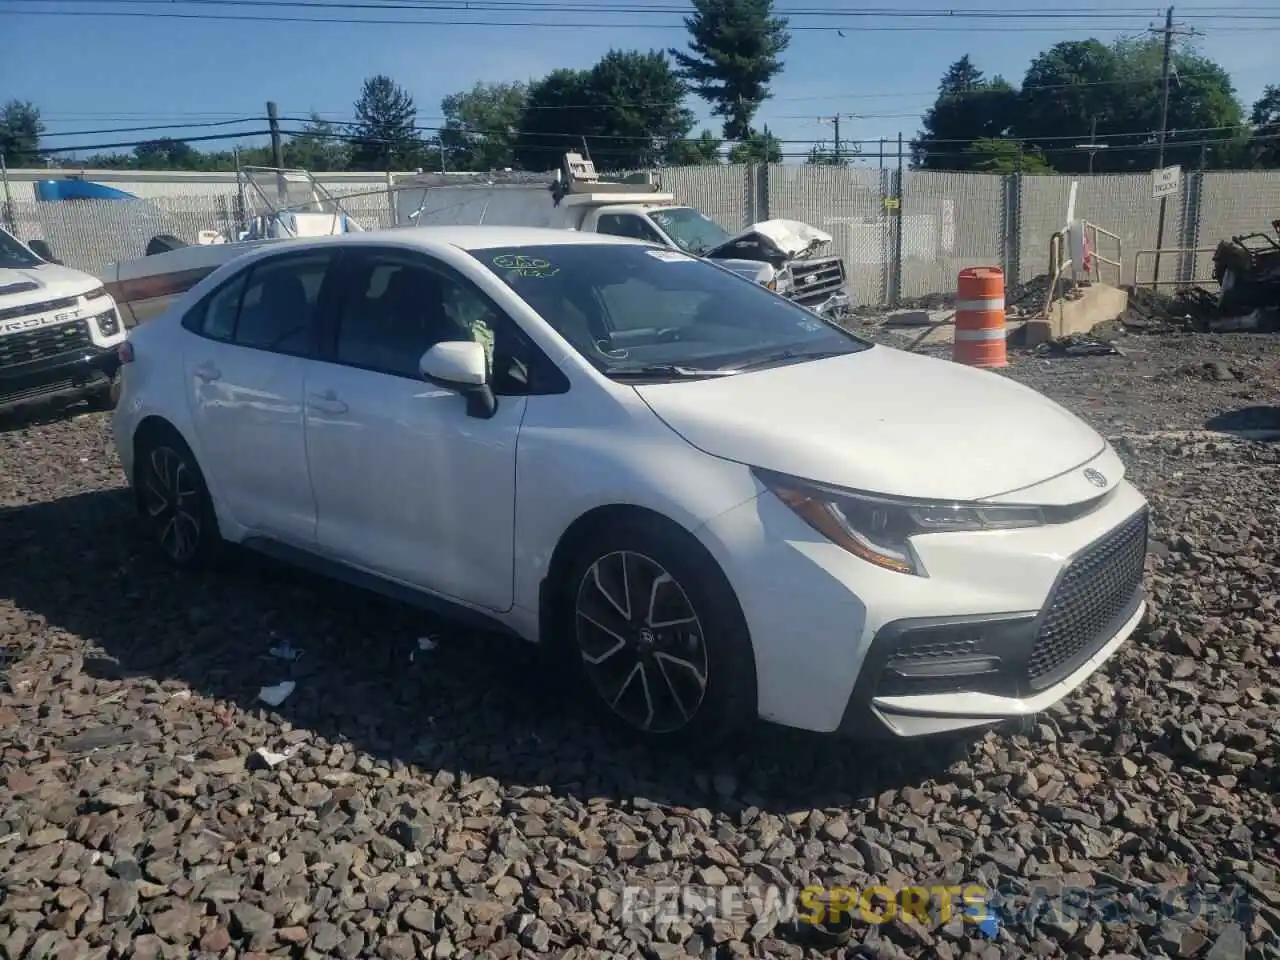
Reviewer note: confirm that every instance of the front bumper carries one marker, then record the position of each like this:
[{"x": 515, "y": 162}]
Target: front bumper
[
  {"x": 63, "y": 377},
  {"x": 834, "y": 307},
  {"x": 1005, "y": 624}
]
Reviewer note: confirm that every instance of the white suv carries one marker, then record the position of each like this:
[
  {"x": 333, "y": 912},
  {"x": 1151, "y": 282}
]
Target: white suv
[
  {"x": 58, "y": 331},
  {"x": 719, "y": 505}
]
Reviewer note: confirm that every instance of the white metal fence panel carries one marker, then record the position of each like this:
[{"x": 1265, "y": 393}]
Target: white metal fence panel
[
  {"x": 1232, "y": 204},
  {"x": 949, "y": 221},
  {"x": 847, "y": 203},
  {"x": 1121, "y": 203},
  {"x": 92, "y": 234},
  {"x": 721, "y": 192}
]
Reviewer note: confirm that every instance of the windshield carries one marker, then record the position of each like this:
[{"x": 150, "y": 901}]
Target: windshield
[
  {"x": 690, "y": 229},
  {"x": 15, "y": 256},
  {"x": 627, "y": 307}
]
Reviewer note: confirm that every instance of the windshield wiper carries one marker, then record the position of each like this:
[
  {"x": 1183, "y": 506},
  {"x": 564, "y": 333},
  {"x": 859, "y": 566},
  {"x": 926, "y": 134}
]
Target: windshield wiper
[
  {"x": 784, "y": 356},
  {"x": 672, "y": 371}
]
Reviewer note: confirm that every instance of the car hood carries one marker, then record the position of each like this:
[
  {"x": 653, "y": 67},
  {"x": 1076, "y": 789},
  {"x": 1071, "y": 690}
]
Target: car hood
[
  {"x": 49, "y": 281},
  {"x": 882, "y": 421},
  {"x": 787, "y": 238},
  {"x": 756, "y": 270}
]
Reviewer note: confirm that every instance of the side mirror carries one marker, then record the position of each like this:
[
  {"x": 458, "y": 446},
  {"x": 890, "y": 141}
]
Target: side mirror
[
  {"x": 463, "y": 366},
  {"x": 42, "y": 250}
]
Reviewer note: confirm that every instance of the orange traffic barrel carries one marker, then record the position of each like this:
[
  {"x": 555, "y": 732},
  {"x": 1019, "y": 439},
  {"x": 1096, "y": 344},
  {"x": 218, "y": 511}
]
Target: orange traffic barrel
[{"x": 980, "y": 333}]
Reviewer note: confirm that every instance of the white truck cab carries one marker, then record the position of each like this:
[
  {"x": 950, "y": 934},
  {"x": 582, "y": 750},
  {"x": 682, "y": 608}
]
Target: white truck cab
[{"x": 58, "y": 331}]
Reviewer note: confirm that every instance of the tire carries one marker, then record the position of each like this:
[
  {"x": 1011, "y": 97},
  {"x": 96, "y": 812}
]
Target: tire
[
  {"x": 174, "y": 501},
  {"x": 699, "y": 676}
]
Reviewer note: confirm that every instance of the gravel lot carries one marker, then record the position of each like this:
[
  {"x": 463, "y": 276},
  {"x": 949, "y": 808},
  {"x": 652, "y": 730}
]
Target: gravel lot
[{"x": 451, "y": 803}]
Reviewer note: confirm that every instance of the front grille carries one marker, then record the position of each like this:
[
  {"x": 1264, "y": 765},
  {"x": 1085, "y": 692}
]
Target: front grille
[
  {"x": 35, "y": 392},
  {"x": 816, "y": 280},
  {"x": 44, "y": 306},
  {"x": 1095, "y": 591},
  {"x": 44, "y": 342}
]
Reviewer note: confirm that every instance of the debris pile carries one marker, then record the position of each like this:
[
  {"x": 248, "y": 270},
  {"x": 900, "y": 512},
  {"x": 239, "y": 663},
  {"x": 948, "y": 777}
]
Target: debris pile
[{"x": 1153, "y": 311}]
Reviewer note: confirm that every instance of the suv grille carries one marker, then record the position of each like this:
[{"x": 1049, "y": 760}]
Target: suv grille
[
  {"x": 1097, "y": 588},
  {"x": 815, "y": 280},
  {"x": 27, "y": 309},
  {"x": 45, "y": 342}
]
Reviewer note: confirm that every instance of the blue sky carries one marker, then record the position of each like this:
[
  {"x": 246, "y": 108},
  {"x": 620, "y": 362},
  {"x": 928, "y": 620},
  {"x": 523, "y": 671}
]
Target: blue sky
[{"x": 89, "y": 72}]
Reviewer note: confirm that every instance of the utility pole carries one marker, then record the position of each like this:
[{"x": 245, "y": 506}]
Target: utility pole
[
  {"x": 1166, "y": 63},
  {"x": 1093, "y": 146},
  {"x": 277, "y": 149},
  {"x": 835, "y": 122}
]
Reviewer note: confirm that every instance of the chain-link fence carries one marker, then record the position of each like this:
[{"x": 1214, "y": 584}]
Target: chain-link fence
[{"x": 901, "y": 235}]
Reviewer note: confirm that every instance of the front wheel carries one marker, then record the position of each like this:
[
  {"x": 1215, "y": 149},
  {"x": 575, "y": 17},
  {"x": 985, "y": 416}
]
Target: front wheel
[
  {"x": 175, "y": 502},
  {"x": 659, "y": 637}
]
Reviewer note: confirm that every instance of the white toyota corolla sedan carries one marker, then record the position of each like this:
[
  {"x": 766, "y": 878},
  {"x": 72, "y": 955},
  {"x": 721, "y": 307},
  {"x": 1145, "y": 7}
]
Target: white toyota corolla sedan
[{"x": 715, "y": 504}]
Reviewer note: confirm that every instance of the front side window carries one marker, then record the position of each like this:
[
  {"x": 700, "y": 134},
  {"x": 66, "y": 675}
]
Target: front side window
[
  {"x": 625, "y": 307},
  {"x": 627, "y": 225},
  {"x": 15, "y": 255},
  {"x": 400, "y": 306}
]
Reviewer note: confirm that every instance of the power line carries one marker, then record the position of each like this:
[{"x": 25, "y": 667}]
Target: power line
[
  {"x": 593, "y": 6},
  {"x": 1092, "y": 14},
  {"x": 624, "y": 104},
  {"x": 1059, "y": 28}
]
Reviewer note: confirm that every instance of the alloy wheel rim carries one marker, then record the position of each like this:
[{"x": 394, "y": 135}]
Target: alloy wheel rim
[
  {"x": 172, "y": 503},
  {"x": 641, "y": 642}
]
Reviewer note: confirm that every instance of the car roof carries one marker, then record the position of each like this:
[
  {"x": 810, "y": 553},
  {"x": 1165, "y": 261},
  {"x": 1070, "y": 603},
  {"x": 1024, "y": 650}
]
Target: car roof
[{"x": 463, "y": 237}]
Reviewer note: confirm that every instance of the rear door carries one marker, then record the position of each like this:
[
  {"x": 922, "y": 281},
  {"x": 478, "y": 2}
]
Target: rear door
[{"x": 257, "y": 333}]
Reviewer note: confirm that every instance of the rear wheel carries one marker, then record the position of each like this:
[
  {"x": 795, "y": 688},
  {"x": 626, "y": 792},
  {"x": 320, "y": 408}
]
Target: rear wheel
[
  {"x": 174, "y": 500},
  {"x": 658, "y": 636}
]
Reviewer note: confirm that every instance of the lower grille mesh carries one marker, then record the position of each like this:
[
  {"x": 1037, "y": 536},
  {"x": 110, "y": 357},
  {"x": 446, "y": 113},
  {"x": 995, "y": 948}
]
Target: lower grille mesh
[{"x": 1092, "y": 593}]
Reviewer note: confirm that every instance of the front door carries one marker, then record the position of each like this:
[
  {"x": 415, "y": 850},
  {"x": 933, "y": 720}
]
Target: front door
[
  {"x": 245, "y": 372},
  {"x": 406, "y": 483}
]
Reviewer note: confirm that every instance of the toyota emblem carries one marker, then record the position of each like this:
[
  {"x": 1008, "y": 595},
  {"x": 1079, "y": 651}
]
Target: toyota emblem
[{"x": 1094, "y": 477}]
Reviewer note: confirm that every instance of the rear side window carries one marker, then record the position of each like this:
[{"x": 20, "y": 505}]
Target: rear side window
[
  {"x": 278, "y": 310},
  {"x": 218, "y": 321}
]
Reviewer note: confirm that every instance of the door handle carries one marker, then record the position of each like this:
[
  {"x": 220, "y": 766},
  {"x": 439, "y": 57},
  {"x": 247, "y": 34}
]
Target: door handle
[
  {"x": 327, "y": 402},
  {"x": 208, "y": 372}
]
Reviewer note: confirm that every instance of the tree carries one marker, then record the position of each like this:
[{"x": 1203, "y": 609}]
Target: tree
[
  {"x": 759, "y": 146},
  {"x": 627, "y": 108},
  {"x": 1066, "y": 89},
  {"x": 968, "y": 108},
  {"x": 557, "y": 117},
  {"x": 1071, "y": 85},
  {"x": 735, "y": 48},
  {"x": 694, "y": 153},
  {"x": 481, "y": 125},
  {"x": 319, "y": 147},
  {"x": 20, "y": 129},
  {"x": 1264, "y": 144},
  {"x": 1004, "y": 156},
  {"x": 167, "y": 154},
  {"x": 385, "y": 134},
  {"x": 641, "y": 101}
]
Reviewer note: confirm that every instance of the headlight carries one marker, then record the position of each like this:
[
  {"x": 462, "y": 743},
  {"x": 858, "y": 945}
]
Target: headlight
[{"x": 877, "y": 529}]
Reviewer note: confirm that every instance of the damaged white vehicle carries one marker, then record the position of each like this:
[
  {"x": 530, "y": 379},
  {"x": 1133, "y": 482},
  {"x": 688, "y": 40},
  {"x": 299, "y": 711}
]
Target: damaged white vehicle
[{"x": 787, "y": 256}]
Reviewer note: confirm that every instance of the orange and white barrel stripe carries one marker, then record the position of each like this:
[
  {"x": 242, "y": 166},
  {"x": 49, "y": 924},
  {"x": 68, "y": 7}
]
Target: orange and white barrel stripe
[{"x": 980, "y": 331}]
